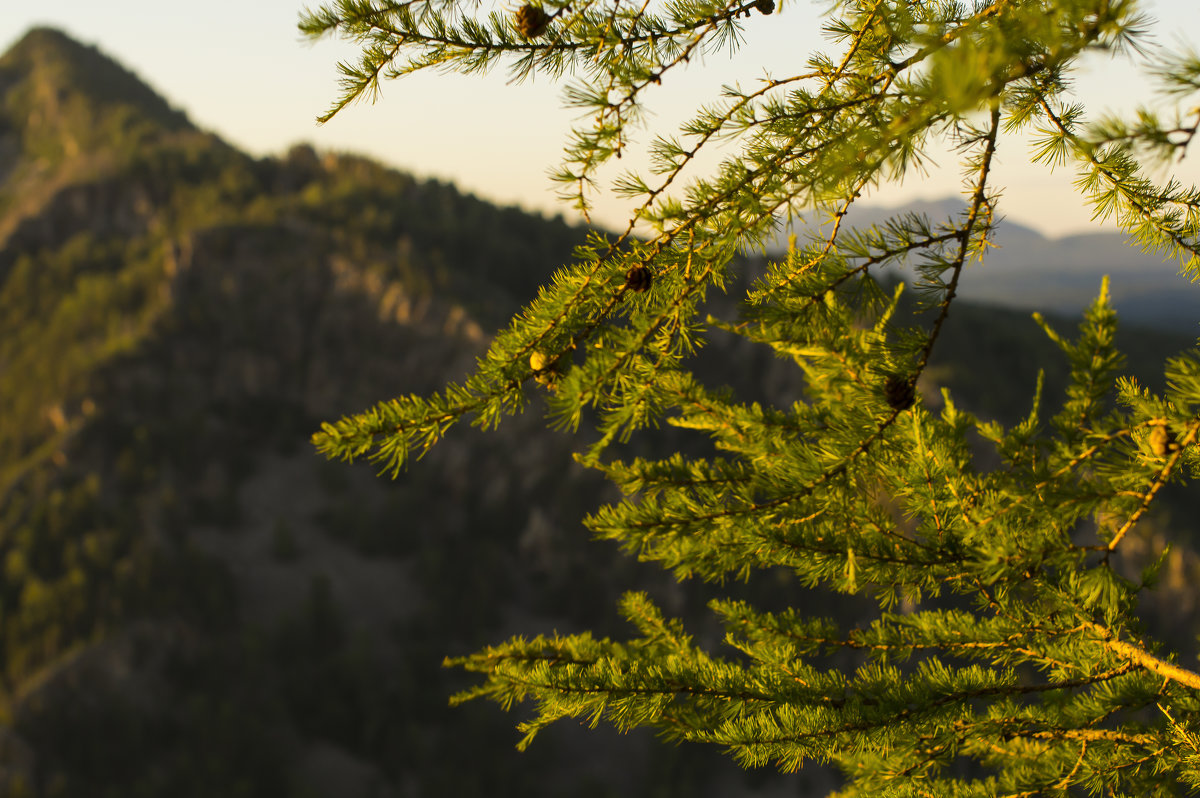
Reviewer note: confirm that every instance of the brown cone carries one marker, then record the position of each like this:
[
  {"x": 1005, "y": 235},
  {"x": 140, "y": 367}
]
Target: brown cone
[
  {"x": 899, "y": 392},
  {"x": 532, "y": 21},
  {"x": 638, "y": 278}
]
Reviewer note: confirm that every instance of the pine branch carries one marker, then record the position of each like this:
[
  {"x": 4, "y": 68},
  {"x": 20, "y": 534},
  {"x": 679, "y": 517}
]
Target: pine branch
[{"x": 994, "y": 631}]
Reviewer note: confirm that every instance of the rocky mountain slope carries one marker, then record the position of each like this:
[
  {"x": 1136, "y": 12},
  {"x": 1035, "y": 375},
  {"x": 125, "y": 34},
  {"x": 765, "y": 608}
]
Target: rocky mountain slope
[{"x": 192, "y": 603}]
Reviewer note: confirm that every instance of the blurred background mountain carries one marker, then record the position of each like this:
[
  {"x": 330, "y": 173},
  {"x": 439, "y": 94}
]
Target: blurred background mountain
[
  {"x": 192, "y": 603},
  {"x": 1029, "y": 271}
]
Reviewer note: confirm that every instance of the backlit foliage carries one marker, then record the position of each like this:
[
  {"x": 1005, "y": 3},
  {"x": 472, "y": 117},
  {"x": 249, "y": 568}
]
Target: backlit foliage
[{"x": 1004, "y": 655}]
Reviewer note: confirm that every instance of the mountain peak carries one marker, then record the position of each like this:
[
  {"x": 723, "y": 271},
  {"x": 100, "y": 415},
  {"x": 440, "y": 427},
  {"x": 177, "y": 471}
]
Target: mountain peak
[{"x": 60, "y": 98}]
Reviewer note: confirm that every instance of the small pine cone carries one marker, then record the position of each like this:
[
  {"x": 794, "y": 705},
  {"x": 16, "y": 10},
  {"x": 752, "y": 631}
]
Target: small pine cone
[
  {"x": 638, "y": 278},
  {"x": 1162, "y": 441},
  {"x": 545, "y": 372},
  {"x": 899, "y": 392},
  {"x": 765, "y": 7},
  {"x": 531, "y": 21}
]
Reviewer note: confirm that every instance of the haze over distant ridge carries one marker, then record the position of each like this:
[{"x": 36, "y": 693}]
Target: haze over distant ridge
[{"x": 1067, "y": 270}]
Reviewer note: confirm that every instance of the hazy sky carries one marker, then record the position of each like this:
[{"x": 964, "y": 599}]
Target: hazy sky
[{"x": 240, "y": 69}]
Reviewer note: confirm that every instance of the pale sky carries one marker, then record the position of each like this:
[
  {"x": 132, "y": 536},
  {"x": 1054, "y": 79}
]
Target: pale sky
[{"x": 240, "y": 69}]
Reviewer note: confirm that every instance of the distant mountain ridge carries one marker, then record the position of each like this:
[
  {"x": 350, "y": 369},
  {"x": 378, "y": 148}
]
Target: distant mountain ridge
[
  {"x": 1146, "y": 289},
  {"x": 61, "y": 100},
  {"x": 69, "y": 114}
]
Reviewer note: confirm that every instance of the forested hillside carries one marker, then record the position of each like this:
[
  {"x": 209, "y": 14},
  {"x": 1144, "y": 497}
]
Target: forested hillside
[{"x": 192, "y": 602}]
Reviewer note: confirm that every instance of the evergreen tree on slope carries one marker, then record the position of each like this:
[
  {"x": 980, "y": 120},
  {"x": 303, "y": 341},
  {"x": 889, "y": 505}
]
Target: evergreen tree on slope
[{"x": 1003, "y": 634}]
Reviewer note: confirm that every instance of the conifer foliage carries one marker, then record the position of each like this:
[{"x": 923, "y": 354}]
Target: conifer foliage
[{"x": 1004, "y": 655}]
